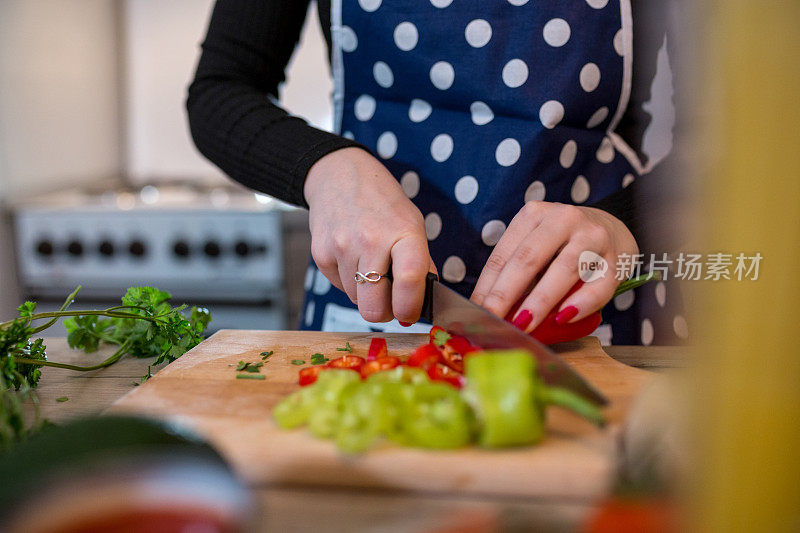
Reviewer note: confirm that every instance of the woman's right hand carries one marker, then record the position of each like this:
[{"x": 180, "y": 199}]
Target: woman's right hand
[{"x": 361, "y": 220}]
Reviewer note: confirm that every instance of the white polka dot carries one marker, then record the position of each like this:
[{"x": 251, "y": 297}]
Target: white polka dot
[
  {"x": 515, "y": 73},
  {"x": 597, "y": 4},
  {"x": 597, "y": 118},
  {"x": 624, "y": 301},
  {"x": 556, "y": 32},
  {"x": 568, "y": 153},
  {"x": 433, "y": 225},
  {"x": 310, "y": 313},
  {"x": 365, "y": 107},
  {"x": 406, "y": 36},
  {"x": 508, "y": 152},
  {"x": 348, "y": 39},
  {"x": 680, "y": 327},
  {"x": 309, "y": 277},
  {"x": 441, "y": 147},
  {"x": 419, "y": 110},
  {"x": 590, "y": 77},
  {"x": 369, "y": 5},
  {"x": 661, "y": 293},
  {"x": 627, "y": 180},
  {"x": 387, "y": 144},
  {"x": 321, "y": 284},
  {"x": 481, "y": 113},
  {"x": 580, "y": 190},
  {"x": 492, "y": 231},
  {"x": 605, "y": 154},
  {"x": 535, "y": 192},
  {"x": 410, "y": 183},
  {"x": 348, "y": 135},
  {"x": 466, "y": 189},
  {"x": 478, "y": 33},
  {"x": 551, "y": 113},
  {"x": 454, "y": 269},
  {"x": 619, "y": 43},
  {"x": 441, "y": 3},
  {"x": 517, "y": 2},
  {"x": 647, "y": 332},
  {"x": 442, "y": 75},
  {"x": 383, "y": 74}
]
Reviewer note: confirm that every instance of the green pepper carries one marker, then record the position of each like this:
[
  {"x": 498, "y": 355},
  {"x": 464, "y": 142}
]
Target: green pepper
[
  {"x": 509, "y": 398},
  {"x": 326, "y": 396},
  {"x": 436, "y": 416},
  {"x": 400, "y": 374}
]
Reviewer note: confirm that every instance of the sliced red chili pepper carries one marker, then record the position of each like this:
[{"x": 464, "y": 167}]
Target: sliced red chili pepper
[
  {"x": 308, "y": 375},
  {"x": 444, "y": 373},
  {"x": 350, "y": 362},
  {"x": 381, "y": 363},
  {"x": 424, "y": 356},
  {"x": 377, "y": 348}
]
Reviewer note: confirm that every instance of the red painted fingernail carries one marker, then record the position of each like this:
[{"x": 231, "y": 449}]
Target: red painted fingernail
[
  {"x": 523, "y": 319},
  {"x": 566, "y": 314},
  {"x": 405, "y": 324}
]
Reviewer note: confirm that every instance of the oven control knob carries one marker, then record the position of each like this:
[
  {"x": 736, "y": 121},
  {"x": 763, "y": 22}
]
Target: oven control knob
[
  {"x": 212, "y": 249},
  {"x": 181, "y": 249},
  {"x": 44, "y": 248},
  {"x": 75, "y": 248},
  {"x": 242, "y": 249},
  {"x": 137, "y": 249},
  {"x": 106, "y": 248}
]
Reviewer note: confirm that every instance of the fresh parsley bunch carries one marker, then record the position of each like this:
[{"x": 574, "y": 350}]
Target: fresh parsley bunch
[{"x": 144, "y": 325}]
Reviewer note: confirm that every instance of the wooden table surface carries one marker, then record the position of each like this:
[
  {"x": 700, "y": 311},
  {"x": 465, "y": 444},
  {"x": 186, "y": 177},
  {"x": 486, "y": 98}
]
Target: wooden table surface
[{"x": 299, "y": 508}]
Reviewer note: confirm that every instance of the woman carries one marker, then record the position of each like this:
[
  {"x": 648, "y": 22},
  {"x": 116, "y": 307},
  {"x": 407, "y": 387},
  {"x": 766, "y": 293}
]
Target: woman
[{"x": 475, "y": 137}]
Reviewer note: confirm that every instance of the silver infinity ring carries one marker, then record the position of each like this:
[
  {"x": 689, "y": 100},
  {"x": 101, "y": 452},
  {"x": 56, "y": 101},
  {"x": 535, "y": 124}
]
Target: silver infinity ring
[{"x": 369, "y": 277}]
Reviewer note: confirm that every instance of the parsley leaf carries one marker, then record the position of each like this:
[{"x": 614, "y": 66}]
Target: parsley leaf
[
  {"x": 298, "y": 362},
  {"x": 318, "y": 359},
  {"x": 265, "y": 355}
]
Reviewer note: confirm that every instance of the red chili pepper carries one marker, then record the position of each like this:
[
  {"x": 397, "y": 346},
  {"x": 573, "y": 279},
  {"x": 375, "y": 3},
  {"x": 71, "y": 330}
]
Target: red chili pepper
[
  {"x": 445, "y": 374},
  {"x": 377, "y": 348},
  {"x": 308, "y": 375},
  {"x": 454, "y": 351},
  {"x": 439, "y": 336},
  {"x": 350, "y": 362},
  {"x": 381, "y": 363},
  {"x": 424, "y": 356},
  {"x": 549, "y": 332}
]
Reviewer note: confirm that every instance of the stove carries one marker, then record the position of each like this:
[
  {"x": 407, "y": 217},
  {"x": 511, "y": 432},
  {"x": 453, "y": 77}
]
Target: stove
[{"x": 221, "y": 248}]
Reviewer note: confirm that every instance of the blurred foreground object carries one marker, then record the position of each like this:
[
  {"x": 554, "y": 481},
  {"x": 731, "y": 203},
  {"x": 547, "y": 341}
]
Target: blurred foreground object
[
  {"x": 119, "y": 474},
  {"x": 747, "y": 392}
]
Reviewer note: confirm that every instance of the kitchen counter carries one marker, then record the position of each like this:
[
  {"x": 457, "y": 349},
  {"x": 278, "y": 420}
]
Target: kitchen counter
[{"x": 299, "y": 508}]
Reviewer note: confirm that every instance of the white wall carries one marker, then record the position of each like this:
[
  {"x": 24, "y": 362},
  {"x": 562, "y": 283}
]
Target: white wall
[
  {"x": 161, "y": 48},
  {"x": 58, "y": 94}
]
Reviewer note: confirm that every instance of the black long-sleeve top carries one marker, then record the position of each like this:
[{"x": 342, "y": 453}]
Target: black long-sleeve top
[{"x": 236, "y": 123}]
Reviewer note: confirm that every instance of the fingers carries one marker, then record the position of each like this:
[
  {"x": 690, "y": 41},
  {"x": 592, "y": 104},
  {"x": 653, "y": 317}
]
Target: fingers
[
  {"x": 592, "y": 296},
  {"x": 519, "y": 228},
  {"x": 347, "y": 269},
  {"x": 411, "y": 263},
  {"x": 532, "y": 256},
  {"x": 558, "y": 279},
  {"x": 374, "y": 299}
]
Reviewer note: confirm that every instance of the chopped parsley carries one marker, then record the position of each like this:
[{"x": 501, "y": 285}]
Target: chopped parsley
[
  {"x": 347, "y": 348},
  {"x": 249, "y": 367},
  {"x": 265, "y": 355},
  {"x": 62, "y": 399},
  {"x": 319, "y": 359},
  {"x": 251, "y": 376},
  {"x": 298, "y": 362}
]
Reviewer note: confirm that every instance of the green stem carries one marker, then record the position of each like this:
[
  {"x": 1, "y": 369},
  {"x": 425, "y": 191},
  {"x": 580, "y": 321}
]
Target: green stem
[
  {"x": 63, "y": 307},
  {"x": 573, "y": 402},
  {"x": 110, "y": 361},
  {"x": 59, "y": 314},
  {"x": 636, "y": 282}
]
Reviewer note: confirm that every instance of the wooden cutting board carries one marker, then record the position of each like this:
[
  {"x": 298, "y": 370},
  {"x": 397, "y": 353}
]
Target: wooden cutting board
[{"x": 201, "y": 390}]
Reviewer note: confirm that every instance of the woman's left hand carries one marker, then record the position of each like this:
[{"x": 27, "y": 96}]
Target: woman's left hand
[{"x": 537, "y": 257}]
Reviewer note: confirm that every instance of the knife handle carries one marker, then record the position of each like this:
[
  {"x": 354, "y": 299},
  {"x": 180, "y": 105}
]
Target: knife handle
[{"x": 427, "y": 302}]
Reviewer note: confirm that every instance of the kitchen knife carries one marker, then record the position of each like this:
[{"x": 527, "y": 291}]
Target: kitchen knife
[{"x": 446, "y": 308}]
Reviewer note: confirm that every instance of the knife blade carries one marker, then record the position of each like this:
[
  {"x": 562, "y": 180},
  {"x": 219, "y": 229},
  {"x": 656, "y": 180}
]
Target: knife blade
[{"x": 446, "y": 308}]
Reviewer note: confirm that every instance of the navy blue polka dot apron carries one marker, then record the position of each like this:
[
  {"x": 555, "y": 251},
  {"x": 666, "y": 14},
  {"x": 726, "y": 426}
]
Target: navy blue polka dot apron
[{"x": 477, "y": 107}]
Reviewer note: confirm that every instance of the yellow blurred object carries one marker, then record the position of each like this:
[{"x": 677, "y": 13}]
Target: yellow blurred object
[{"x": 747, "y": 396}]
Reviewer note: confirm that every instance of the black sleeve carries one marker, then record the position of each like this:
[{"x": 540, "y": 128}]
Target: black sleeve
[{"x": 231, "y": 116}]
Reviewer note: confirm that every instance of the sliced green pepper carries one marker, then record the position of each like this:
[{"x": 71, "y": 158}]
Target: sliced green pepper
[
  {"x": 400, "y": 374},
  {"x": 324, "y": 414}
]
